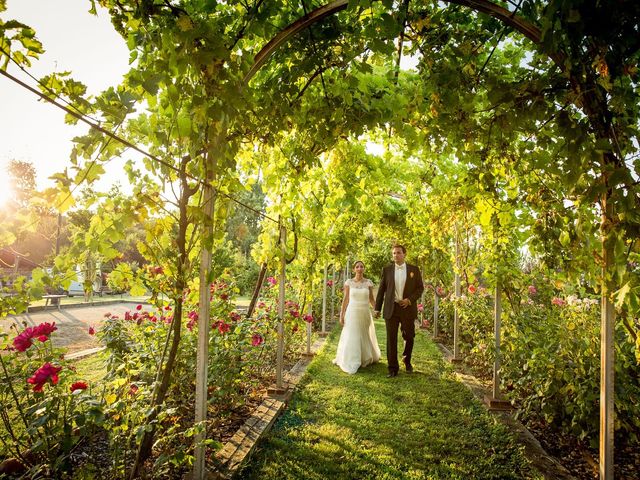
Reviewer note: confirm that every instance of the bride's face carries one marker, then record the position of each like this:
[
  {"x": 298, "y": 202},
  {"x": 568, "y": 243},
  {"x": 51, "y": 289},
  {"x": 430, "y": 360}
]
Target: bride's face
[{"x": 359, "y": 268}]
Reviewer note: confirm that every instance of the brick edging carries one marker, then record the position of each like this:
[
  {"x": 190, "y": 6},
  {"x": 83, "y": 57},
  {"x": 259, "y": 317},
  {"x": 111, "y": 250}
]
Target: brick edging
[{"x": 238, "y": 450}]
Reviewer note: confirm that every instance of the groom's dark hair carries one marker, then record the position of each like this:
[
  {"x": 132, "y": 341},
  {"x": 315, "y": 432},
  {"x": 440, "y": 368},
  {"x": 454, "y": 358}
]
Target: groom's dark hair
[{"x": 397, "y": 245}]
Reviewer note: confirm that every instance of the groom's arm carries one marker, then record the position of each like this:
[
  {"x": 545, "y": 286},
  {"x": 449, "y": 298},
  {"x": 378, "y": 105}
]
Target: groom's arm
[
  {"x": 381, "y": 289},
  {"x": 417, "y": 292}
]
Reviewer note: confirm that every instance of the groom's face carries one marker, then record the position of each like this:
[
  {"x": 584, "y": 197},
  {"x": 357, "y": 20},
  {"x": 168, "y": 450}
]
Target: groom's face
[{"x": 398, "y": 256}]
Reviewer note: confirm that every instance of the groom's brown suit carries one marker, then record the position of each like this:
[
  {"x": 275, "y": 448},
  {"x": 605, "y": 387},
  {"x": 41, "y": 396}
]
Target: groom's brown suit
[{"x": 395, "y": 315}]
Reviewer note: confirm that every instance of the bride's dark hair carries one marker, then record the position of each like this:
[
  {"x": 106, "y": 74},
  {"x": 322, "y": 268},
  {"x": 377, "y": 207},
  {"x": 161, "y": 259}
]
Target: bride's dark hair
[{"x": 357, "y": 262}]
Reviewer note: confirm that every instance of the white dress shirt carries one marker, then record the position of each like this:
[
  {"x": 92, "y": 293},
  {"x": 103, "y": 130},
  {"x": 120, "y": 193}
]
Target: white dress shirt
[{"x": 400, "y": 279}]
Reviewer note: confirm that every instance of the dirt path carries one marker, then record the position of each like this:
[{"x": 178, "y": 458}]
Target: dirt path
[{"x": 73, "y": 323}]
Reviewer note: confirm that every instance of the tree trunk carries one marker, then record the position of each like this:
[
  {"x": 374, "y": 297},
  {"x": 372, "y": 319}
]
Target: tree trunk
[
  {"x": 162, "y": 386},
  {"x": 256, "y": 291}
]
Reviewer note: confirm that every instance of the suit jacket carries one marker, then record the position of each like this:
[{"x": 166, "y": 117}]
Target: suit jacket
[{"x": 413, "y": 288}]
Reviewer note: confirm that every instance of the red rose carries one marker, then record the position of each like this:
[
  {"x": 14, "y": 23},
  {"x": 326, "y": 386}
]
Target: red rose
[
  {"x": 92, "y": 331},
  {"x": 222, "y": 327},
  {"x": 45, "y": 328},
  {"x": 42, "y": 375},
  {"x": 257, "y": 340},
  {"x": 472, "y": 289},
  {"x": 78, "y": 386},
  {"x": 138, "y": 307},
  {"x": 23, "y": 341}
]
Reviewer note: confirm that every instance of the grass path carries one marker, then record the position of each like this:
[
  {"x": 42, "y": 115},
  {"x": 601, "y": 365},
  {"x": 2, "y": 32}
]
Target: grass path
[{"x": 424, "y": 425}]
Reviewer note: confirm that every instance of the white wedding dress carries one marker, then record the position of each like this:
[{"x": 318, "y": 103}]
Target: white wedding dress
[{"x": 358, "y": 345}]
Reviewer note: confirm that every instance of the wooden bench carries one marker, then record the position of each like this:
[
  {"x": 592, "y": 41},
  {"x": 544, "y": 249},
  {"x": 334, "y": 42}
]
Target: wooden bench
[{"x": 52, "y": 300}]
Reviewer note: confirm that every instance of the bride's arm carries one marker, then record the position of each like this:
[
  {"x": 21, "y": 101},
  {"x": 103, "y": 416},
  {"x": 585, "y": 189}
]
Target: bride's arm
[
  {"x": 372, "y": 301},
  {"x": 345, "y": 302}
]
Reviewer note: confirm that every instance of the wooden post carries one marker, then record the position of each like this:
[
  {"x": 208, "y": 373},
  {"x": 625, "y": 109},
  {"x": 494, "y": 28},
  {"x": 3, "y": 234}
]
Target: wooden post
[
  {"x": 496, "y": 402},
  {"x": 310, "y": 312},
  {"x": 607, "y": 319},
  {"x": 333, "y": 292},
  {"x": 436, "y": 302},
  {"x": 199, "y": 467},
  {"x": 324, "y": 303},
  {"x": 281, "y": 282},
  {"x": 456, "y": 321}
]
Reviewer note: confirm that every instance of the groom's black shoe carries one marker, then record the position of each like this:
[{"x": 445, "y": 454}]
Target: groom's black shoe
[
  {"x": 409, "y": 367},
  {"x": 392, "y": 374}
]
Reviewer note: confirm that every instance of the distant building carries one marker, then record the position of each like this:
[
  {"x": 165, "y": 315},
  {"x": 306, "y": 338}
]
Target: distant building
[{"x": 14, "y": 264}]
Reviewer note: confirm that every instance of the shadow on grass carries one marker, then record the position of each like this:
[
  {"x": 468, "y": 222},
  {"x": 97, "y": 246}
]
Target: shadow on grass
[{"x": 423, "y": 425}]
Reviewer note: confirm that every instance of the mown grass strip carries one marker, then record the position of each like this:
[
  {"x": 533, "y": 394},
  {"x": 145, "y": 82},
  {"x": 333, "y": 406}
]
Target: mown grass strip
[{"x": 424, "y": 425}]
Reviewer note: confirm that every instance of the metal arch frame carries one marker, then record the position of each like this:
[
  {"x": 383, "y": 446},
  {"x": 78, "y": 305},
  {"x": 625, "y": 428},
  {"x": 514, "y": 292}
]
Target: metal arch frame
[
  {"x": 483, "y": 6},
  {"x": 534, "y": 34}
]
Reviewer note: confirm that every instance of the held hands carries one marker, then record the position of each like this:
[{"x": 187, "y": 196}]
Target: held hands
[{"x": 376, "y": 314}]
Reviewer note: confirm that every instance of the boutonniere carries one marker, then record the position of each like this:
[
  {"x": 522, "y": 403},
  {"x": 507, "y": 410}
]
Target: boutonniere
[{"x": 411, "y": 274}]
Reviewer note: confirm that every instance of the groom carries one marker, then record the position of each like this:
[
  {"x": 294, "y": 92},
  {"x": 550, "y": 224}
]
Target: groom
[{"x": 400, "y": 288}]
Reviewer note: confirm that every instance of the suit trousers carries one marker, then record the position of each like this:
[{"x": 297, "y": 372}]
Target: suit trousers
[{"x": 407, "y": 326}]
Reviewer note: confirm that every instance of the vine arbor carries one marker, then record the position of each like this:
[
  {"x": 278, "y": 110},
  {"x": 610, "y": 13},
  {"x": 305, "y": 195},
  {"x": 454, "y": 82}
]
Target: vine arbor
[{"x": 520, "y": 119}]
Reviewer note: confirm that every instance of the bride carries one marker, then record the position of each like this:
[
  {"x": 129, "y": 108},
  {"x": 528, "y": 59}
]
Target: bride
[{"x": 358, "y": 345}]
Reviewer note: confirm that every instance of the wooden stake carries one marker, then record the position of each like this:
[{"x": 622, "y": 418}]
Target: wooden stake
[
  {"x": 607, "y": 319},
  {"x": 436, "y": 305},
  {"x": 281, "y": 284},
  {"x": 324, "y": 302},
  {"x": 199, "y": 467},
  {"x": 496, "y": 401},
  {"x": 456, "y": 321}
]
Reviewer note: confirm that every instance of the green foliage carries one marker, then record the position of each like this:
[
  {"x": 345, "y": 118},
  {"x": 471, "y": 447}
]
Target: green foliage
[
  {"x": 552, "y": 367},
  {"x": 241, "y": 357}
]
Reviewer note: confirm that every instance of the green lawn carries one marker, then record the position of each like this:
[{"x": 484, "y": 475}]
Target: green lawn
[
  {"x": 92, "y": 369},
  {"x": 424, "y": 425}
]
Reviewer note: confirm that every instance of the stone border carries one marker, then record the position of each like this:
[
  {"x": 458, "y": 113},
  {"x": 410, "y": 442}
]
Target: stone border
[
  {"x": 43, "y": 308},
  {"x": 549, "y": 466},
  {"x": 84, "y": 353},
  {"x": 237, "y": 450}
]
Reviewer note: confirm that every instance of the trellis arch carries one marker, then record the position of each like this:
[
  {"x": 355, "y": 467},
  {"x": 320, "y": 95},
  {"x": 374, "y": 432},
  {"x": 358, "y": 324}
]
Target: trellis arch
[{"x": 590, "y": 102}]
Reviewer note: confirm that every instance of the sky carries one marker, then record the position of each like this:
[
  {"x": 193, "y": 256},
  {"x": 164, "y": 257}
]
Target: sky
[{"x": 76, "y": 41}]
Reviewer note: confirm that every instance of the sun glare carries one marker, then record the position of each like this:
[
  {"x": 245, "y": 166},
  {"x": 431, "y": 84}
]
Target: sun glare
[{"x": 5, "y": 190}]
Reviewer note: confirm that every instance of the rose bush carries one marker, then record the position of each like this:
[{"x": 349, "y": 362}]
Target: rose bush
[{"x": 45, "y": 409}]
